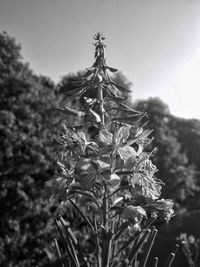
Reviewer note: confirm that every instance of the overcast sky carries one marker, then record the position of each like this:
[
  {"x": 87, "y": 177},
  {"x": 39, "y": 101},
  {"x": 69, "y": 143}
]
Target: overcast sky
[{"x": 155, "y": 43}]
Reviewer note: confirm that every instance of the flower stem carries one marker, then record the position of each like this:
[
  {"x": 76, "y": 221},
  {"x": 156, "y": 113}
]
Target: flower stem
[{"x": 101, "y": 108}]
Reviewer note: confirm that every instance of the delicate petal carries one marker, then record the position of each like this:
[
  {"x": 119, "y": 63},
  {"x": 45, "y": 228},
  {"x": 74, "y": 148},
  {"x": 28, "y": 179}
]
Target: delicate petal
[
  {"x": 163, "y": 204},
  {"x": 134, "y": 213},
  {"x": 126, "y": 152},
  {"x": 121, "y": 135},
  {"x": 150, "y": 187},
  {"x": 132, "y": 229},
  {"x": 105, "y": 137},
  {"x": 114, "y": 179},
  {"x": 130, "y": 163}
]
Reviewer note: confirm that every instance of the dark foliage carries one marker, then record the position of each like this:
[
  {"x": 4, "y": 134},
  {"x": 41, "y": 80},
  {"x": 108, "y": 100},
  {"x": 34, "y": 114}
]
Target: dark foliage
[{"x": 175, "y": 152}]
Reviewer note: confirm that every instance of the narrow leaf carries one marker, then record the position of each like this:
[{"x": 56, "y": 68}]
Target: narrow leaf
[
  {"x": 121, "y": 135},
  {"x": 74, "y": 240},
  {"x": 123, "y": 227},
  {"x": 112, "y": 69},
  {"x": 121, "y": 88},
  {"x": 136, "y": 247},
  {"x": 57, "y": 248},
  {"x": 147, "y": 248},
  {"x": 60, "y": 230},
  {"x": 128, "y": 119},
  {"x": 83, "y": 216},
  {"x": 170, "y": 260},
  {"x": 171, "y": 257},
  {"x": 98, "y": 255},
  {"x": 155, "y": 263},
  {"x": 76, "y": 92},
  {"x": 70, "y": 111}
]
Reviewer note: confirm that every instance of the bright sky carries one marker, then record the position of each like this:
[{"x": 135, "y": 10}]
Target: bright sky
[{"x": 155, "y": 43}]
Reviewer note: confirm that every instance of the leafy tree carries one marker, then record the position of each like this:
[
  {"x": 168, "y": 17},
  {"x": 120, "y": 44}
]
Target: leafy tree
[
  {"x": 175, "y": 169},
  {"x": 27, "y": 113},
  {"x": 189, "y": 137}
]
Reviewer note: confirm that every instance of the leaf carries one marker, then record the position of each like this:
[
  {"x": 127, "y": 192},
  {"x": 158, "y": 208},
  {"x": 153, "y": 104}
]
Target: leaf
[
  {"x": 139, "y": 132},
  {"x": 145, "y": 134},
  {"x": 130, "y": 109},
  {"x": 70, "y": 111},
  {"x": 147, "y": 248},
  {"x": 83, "y": 165},
  {"x": 127, "y": 152},
  {"x": 106, "y": 150},
  {"x": 88, "y": 181},
  {"x": 116, "y": 99},
  {"x": 109, "y": 91},
  {"x": 121, "y": 88},
  {"x": 89, "y": 72},
  {"x": 141, "y": 129},
  {"x": 56, "y": 187},
  {"x": 137, "y": 246},
  {"x": 80, "y": 136},
  {"x": 93, "y": 116},
  {"x": 82, "y": 215},
  {"x": 67, "y": 244},
  {"x": 76, "y": 92},
  {"x": 117, "y": 208},
  {"x": 92, "y": 149},
  {"x": 128, "y": 119},
  {"x": 112, "y": 69},
  {"x": 100, "y": 165},
  {"x": 117, "y": 200}
]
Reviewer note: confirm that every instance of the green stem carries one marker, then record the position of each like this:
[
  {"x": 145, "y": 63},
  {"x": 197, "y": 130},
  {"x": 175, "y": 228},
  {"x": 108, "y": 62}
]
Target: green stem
[
  {"x": 101, "y": 108},
  {"x": 83, "y": 216},
  {"x": 155, "y": 264},
  {"x": 97, "y": 243},
  {"x": 107, "y": 233}
]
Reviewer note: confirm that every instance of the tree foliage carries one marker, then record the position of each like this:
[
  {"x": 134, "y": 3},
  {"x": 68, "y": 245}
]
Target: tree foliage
[
  {"x": 174, "y": 159},
  {"x": 27, "y": 114}
]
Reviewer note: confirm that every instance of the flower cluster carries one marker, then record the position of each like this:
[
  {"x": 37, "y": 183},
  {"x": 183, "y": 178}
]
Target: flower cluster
[{"x": 108, "y": 176}]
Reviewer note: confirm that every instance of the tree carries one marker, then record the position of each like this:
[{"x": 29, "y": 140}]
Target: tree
[
  {"x": 172, "y": 159},
  {"x": 27, "y": 122}
]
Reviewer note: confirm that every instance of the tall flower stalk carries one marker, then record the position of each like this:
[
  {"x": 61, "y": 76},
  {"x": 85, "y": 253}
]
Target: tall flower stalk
[{"x": 107, "y": 177}]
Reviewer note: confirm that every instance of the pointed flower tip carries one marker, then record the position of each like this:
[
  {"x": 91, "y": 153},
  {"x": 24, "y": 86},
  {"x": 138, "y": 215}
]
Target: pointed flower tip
[{"x": 99, "y": 36}]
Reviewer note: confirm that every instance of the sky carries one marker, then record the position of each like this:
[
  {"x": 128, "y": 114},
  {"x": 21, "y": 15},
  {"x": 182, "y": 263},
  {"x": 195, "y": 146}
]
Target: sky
[{"x": 155, "y": 43}]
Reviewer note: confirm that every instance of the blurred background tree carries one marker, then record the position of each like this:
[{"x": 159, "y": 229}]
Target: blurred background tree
[
  {"x": 28, "y": 121},
  {"x": 173, "y": 158}
]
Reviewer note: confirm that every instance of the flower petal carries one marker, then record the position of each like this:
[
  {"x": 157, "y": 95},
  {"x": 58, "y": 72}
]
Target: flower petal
[
  {"x": 105, "y": 137},
  {"x": 121, "y": 135},
  {"x": 126, "y": 152}
]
